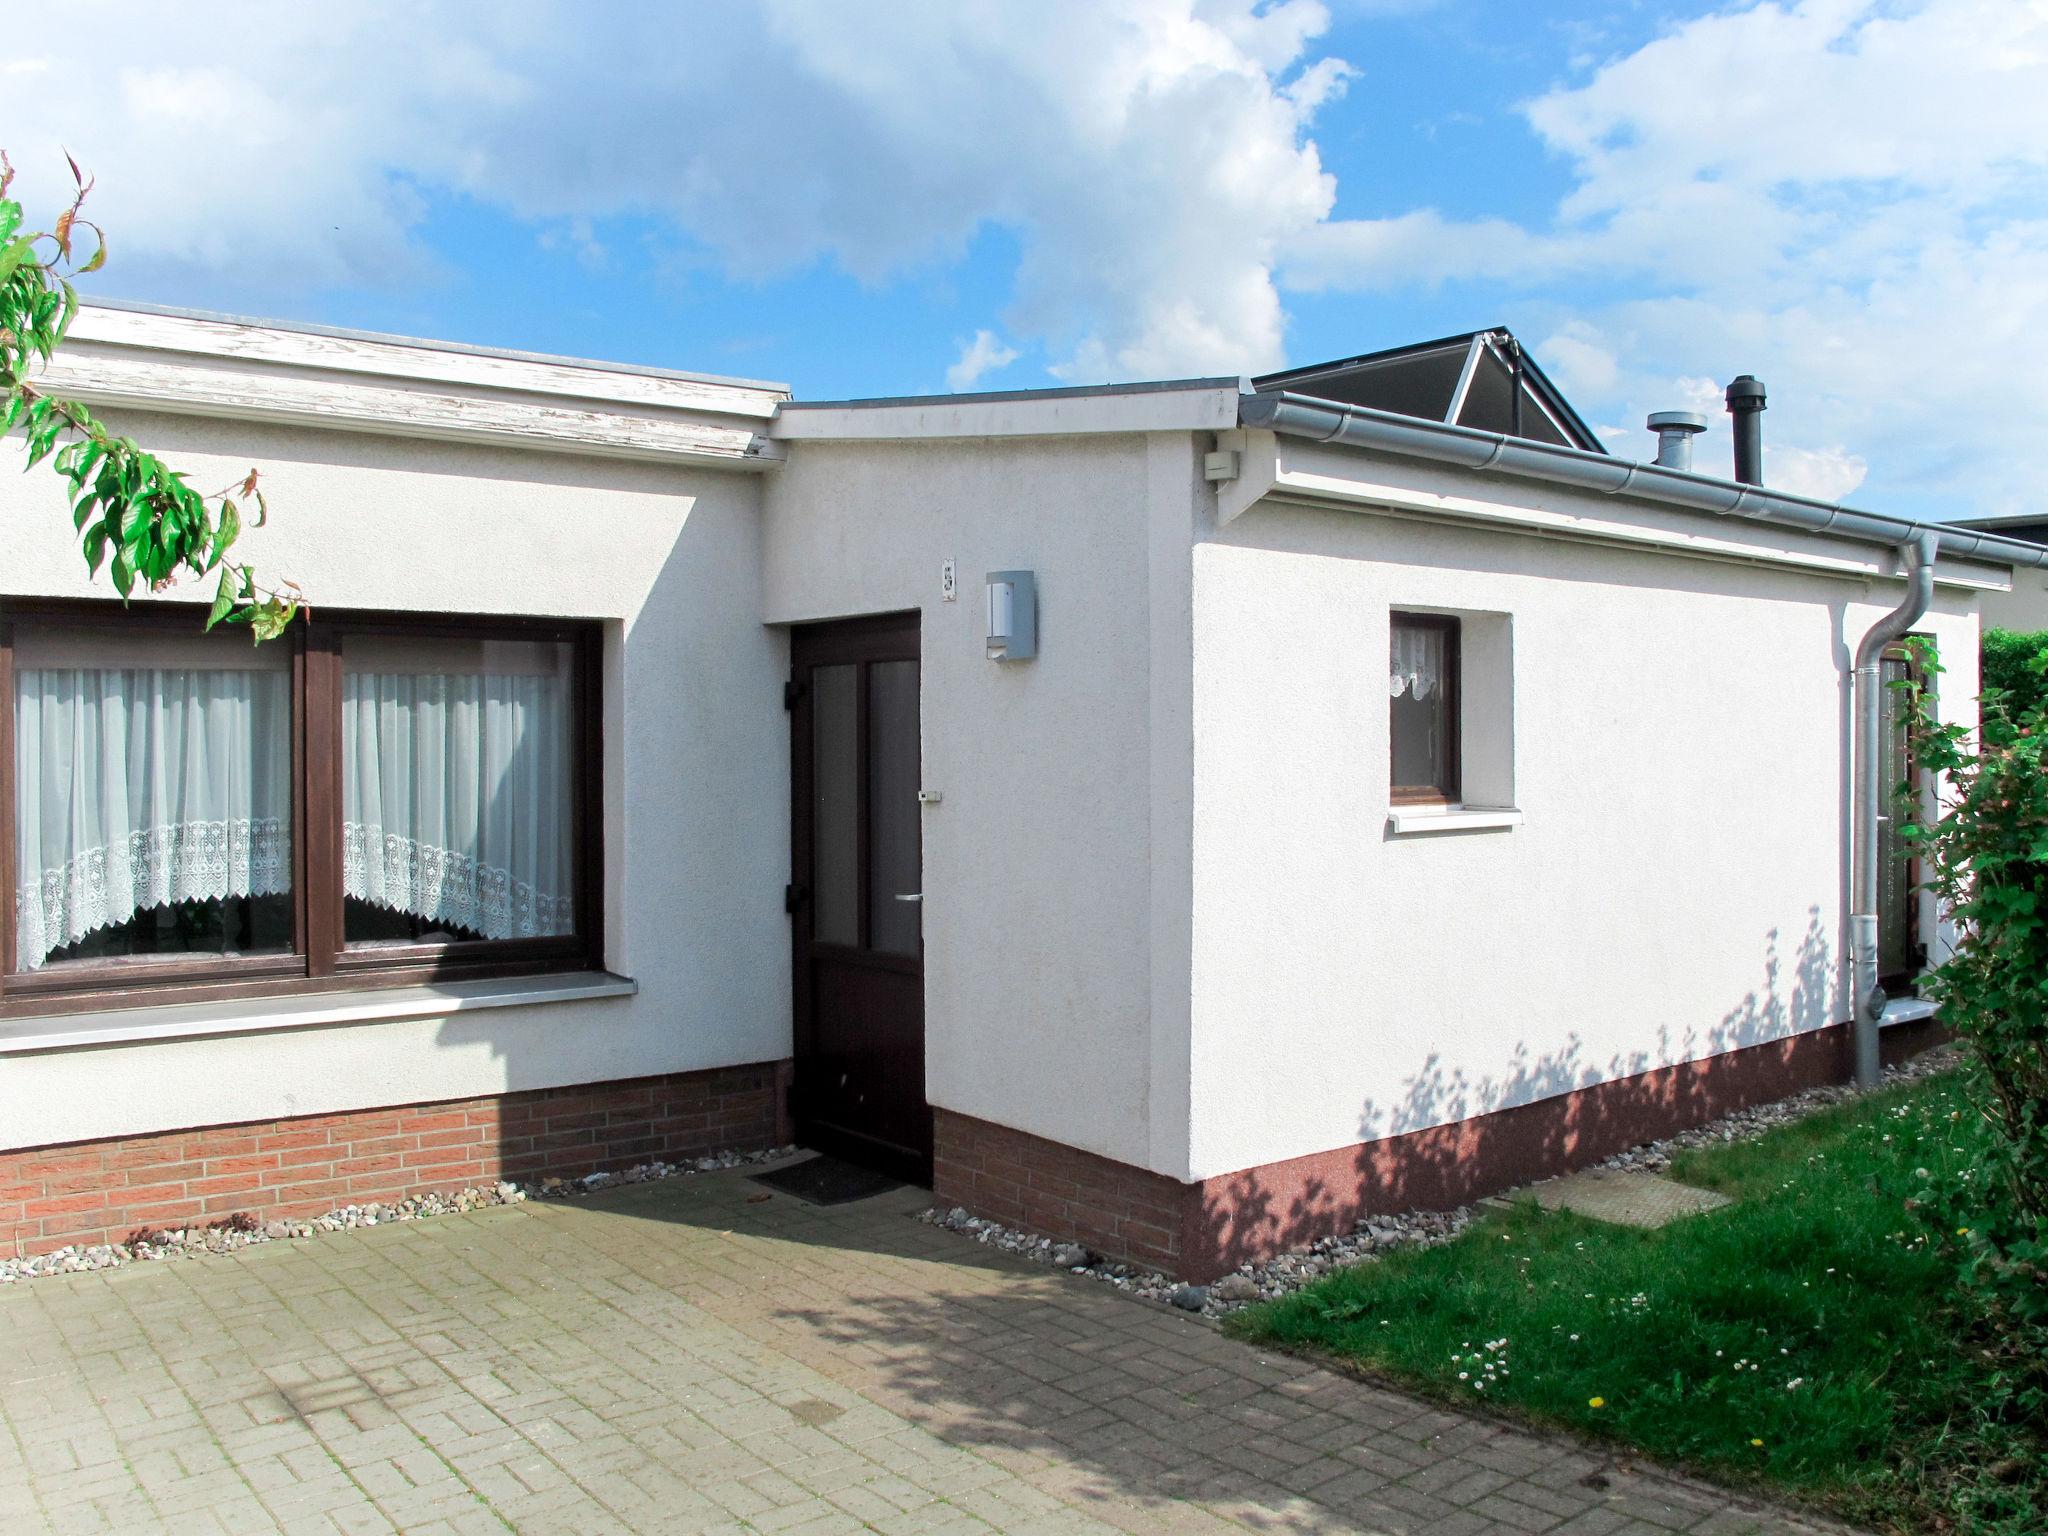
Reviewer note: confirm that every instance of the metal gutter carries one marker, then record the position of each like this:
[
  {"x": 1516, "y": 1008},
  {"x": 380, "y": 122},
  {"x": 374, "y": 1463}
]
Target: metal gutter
[{"x": 1358, "y": 426}]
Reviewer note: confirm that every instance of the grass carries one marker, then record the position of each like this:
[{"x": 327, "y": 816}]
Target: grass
[{"x": 1810, "y": 1338}]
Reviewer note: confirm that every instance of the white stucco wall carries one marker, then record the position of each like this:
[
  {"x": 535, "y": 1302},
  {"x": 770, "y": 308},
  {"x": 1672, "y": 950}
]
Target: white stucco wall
[
  {"x": 1055, "y": 866},
  {"x": 695, "y": 809},
  {"x": 2024, "y": 608},
  {"x": 1676, "y": 890},
  {"x": 1164, "y": 920}
]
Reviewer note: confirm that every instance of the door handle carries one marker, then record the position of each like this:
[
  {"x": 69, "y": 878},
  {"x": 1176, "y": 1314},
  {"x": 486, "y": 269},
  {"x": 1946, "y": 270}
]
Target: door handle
[{"x": 910, "y": 896}]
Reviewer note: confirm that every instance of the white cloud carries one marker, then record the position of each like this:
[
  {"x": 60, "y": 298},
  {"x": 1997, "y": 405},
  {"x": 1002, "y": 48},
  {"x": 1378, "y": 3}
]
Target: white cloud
[
  {"x": 1825, "y": 474},
  {"x": 1148, "y": 157},
  {"x": 1580, "y": 363},
  {"x": 985, "y": 354},
  {"x": 1843, "y": 196}
]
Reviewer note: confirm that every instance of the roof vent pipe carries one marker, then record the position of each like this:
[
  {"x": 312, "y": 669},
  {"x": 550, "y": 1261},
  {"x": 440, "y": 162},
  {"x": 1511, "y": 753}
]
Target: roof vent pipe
[
  {"x": 1675, "y": 431},
  {"x": 1746, "y": 405}
]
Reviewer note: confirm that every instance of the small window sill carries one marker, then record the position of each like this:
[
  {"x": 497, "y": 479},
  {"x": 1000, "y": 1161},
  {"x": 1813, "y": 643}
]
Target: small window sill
[
  {"x": 1908, "y": 1010},
  {"x": 312, "y": 1010},
  {"x": 1410, "y": 820}
]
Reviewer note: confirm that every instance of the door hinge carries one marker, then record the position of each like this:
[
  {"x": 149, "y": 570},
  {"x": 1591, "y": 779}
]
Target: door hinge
[
  {"x": 793, "y": 692},
  {"x": 794, "y": 896}
]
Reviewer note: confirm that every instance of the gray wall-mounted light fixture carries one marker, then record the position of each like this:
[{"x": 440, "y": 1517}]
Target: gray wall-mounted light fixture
[{"x": 1012, "y": 615}]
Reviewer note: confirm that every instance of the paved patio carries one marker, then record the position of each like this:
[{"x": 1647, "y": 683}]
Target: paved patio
[{"x": 691, "y": 1357}]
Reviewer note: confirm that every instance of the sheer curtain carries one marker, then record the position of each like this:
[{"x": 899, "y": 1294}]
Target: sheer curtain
[
  {"x": 1418, "y": 661},
  {"x": 457, "y": 783},
  {"x": 146, "y": 773}
]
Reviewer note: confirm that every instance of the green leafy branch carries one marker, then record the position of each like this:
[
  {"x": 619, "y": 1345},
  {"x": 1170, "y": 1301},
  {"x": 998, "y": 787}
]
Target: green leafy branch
[
  {"x": 133, "y": 513},
  {"x": 1984, "y": 853}
]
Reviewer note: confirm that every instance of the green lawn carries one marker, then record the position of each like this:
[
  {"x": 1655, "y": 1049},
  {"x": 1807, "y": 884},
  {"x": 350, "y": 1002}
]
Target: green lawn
[{"x": 1809, "y": 1337}]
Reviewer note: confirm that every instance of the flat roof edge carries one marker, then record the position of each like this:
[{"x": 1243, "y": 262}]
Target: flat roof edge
[
  {"x": 431, "y": 344},
  {"x": 1234, "y": 383},
  {"x": 1327, "y": 421}
]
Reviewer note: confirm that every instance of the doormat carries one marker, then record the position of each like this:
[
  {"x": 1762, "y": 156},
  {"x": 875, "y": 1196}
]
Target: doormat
[{"x": 828, "y": 1181}]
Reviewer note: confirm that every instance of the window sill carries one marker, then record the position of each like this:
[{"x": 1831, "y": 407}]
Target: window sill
[
  {"x": 1409, "y": 820},
  {"x": 1908, "y": 1010},
  {"x": 268, "y": 1015}
]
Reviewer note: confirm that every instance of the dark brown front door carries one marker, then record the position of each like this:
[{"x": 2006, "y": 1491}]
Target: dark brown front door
[{"x": 857, "y": 893}]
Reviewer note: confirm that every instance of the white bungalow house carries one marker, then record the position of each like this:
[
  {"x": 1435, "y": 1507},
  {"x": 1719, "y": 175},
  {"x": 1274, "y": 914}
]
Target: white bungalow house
[{"x": 1184, "y": 817}]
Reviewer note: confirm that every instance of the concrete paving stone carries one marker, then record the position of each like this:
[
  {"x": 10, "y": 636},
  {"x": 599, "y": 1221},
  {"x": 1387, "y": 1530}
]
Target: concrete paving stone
[
  {"x": 1504, "y": 1509},
  {"x": 940, "y": 1521},
  {"x": 1564, "y": 1503},
  {"x": 1570, "y": 1469},
  {"x": 1626, "y": 1197},
  {"x": 1467, "y": 1522},
  {"x": 671, "y": 1360},
  {"x": 861, "y": 1501},
  {"x": 826, "y": 1476},
  {"x": 1659, "y": 1504},
  {"x": 1457, "y": 1481},
  {"x": 1599, "y": 1521},
  {"x": 1415, "y": 1503},
  {"x": 357, "y": 1520},
  {"x": 1733, "y": 1522}
]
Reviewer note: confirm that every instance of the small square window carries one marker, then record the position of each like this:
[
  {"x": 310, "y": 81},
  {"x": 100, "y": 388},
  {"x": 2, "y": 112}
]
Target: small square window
[{"x": 1423, "y": 682}]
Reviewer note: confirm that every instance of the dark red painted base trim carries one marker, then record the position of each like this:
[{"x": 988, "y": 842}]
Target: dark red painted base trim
[{"x": 1205, "y": 1229}]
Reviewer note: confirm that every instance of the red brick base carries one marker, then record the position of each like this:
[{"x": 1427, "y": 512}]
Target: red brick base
[
  {"x": 1205, "y": 1229},
  {"x": 102, "y": 1191},
  {"x": 1046, "y": 1186}
]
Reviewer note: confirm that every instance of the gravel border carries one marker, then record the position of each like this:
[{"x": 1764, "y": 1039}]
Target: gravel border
[
  {"x": 243, "y": 1231},
  {"x": 1270, "y": 1279}
]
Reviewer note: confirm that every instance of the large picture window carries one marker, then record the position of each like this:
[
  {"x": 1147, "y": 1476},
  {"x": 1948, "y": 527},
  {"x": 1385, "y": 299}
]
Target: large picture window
[{"x": 371, "y": 799}]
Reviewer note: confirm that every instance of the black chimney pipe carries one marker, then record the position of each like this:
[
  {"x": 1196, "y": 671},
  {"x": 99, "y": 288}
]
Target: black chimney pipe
[{"x": 1746, "y": 405}]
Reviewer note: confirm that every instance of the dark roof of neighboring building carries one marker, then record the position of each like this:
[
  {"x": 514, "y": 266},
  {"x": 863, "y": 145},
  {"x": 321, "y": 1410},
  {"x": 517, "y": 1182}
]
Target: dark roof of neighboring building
[
  {"x": 1483, "y": 379},
  {"x": 2027, "y": 527}
]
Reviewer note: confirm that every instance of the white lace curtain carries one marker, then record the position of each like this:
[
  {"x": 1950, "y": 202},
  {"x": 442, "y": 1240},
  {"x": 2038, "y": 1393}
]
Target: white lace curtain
[
  {"x": 1418, "y": 661},
  {"x": 457, "y": 785},
  {"x": 141, "y": 786}
]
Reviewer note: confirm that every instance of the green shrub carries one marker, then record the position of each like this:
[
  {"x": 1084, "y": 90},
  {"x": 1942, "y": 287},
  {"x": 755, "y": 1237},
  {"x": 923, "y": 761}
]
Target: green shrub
[
  {"x": 1986, "y": 854},
  {"x": 2008, "y": 657}
]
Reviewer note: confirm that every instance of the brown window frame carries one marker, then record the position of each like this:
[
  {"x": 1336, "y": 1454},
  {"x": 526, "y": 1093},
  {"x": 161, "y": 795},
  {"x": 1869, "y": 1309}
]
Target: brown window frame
[
  {"x": 320, "y": 960},
  {"x": 1432, "y": 794},
  {"x": 1903, "y": 982}
]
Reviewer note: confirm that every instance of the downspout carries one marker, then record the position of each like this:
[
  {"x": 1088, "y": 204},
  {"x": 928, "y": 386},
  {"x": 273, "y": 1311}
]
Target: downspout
[{"x": 1868, "y": 726}]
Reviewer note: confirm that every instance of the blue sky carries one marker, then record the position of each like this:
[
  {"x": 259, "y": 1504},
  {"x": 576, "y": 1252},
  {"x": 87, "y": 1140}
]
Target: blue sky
[
  {"x": 1839, "y": 195},
  {"x": 1429, "y": 120}
]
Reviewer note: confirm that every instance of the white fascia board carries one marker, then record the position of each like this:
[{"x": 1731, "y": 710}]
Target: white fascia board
[
  {"x": 1206, "y": 409},
  {"x": 427, "y": 362},
  {"x": 1281, "y": 471},
  {"x": 192, "y": 366}
]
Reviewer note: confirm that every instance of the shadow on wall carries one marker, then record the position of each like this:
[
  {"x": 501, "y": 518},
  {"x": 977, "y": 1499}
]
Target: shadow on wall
[{"x": 1451, "y": 1137}]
